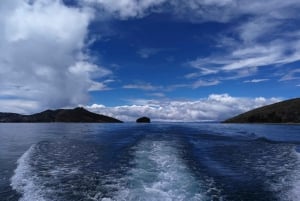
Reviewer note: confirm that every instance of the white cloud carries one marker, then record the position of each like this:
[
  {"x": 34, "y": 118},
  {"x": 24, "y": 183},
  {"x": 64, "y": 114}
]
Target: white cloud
[
  {"x": 198, "y": 10},
  {"x": 98, "y": 86},
  {"x": 141, "y": 86},
  {"x": 291, "y": 75},
  {"x": 204, "y": 83},
  {"x": 149, "y": 87},
  {"x": 247, "y": 60},
  {"x": 20, "y": 106},
  {"x": 256, "y": 80},
  {"x": 251, "y": 57},
  {"x": 215, "y": 107},
  {"x": 42, "y": 58},
  {"x": 82, "y": 67},
  {"x": 252, "y": 30},
  {"x": 266, "y": 37},
  {"x": 198, "y": 64},
  {"x": 126, "y": 8}
]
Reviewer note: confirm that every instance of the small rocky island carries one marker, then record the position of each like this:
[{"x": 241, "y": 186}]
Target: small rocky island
[
  {"x": 282, "y": 112},
  {"x": 143, "y": 120},
  {"x": 78, "y": 114}
]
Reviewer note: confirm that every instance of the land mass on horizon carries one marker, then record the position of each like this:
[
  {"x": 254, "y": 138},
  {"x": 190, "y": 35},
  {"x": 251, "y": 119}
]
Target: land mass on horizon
[
  {"x": 78, "y": 114},
  {"x": 282, "y": 112}
]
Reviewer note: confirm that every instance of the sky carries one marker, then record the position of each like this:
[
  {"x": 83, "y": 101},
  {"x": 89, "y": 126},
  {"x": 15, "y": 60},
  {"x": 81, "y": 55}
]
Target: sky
[{"x": 171, "y": 60}]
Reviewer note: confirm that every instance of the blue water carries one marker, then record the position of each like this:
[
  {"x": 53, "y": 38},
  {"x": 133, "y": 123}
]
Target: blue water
[{"x": 168, "y": 161}]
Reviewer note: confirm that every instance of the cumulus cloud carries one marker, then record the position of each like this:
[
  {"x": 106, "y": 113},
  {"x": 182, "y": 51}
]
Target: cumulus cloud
[
  {"x": 43, "y": 60},
  {"x": 215, "y": 107}
]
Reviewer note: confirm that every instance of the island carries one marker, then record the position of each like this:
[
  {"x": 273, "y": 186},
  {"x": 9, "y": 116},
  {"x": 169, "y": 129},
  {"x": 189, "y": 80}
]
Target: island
[
  {"x": 78, "y": 114},
  {"x": 143, "y": 120},
  {"x": 282, "y": 112}
]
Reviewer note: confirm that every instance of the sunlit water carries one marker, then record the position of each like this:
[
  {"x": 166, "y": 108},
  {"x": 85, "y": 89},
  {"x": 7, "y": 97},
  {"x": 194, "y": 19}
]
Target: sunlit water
[{"x": 70, "y": 162}]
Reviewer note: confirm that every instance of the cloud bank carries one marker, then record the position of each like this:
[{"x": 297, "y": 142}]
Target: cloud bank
[{"x": 215, "y": 107}]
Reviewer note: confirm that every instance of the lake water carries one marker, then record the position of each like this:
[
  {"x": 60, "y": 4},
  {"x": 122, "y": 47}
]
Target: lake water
[{"x": 167, "y": 161}]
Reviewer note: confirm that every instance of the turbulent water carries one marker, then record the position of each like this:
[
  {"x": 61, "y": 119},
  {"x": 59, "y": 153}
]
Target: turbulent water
[{"x": 93, "y": 162}]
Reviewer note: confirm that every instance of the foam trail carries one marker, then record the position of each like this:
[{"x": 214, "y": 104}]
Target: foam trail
[
  {"x": 24, "y": 181},
  {"x": 159, "y": 173},
  {"x": 50, "y": 171},
  {"x": 294, "y": 194},
  {"x": 287, "y": 186}
]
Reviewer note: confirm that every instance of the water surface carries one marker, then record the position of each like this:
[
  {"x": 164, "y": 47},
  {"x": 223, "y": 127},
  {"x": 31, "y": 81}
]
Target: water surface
[{"x": 167, "y": 161}]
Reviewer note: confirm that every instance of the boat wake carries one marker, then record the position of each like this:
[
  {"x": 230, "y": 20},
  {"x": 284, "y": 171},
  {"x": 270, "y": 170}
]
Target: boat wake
[
  {"x": 24, "y": 181},
  {"x": 159, "y": 173},
  {"x": 56, "y": 171},
  {"x": 51, "y": 170},
  {"x": 158, "y": 169}
]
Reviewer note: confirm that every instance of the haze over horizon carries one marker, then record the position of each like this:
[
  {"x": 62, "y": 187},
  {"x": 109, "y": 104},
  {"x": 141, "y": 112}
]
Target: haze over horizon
[{"x": 176, "y": 60}]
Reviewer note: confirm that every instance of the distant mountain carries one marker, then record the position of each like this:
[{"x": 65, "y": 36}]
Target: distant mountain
[
  {"x": 61, "y": 115},
  {"x": 282, "y": 112}
]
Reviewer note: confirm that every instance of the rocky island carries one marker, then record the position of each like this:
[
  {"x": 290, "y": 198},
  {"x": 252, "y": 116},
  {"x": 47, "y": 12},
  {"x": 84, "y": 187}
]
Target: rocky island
[
  {"x": 78, "y": 114},
  {"x": 282, "y": 112},
  {"x": 143, "y": 120}
]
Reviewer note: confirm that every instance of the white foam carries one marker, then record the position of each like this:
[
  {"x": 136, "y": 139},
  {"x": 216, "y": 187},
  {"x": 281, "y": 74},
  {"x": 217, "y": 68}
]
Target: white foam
[
  {"x": 294, "y": 193},
  {"x": 287, "y": 185},
  {"x": 159, "y": 174},
  {"x": 24, "y": 181}
]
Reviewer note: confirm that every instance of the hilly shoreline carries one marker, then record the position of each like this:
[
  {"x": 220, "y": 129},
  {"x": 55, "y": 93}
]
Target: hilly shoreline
[
  {"x": 78, "y": 114},
  {"x": 287, "y": 112}
]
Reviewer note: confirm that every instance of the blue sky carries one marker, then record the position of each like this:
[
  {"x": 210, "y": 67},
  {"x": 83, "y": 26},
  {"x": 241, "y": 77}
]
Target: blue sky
[
  {"x": 158, "y": 55},
  {"x": 159, "y": 58}
]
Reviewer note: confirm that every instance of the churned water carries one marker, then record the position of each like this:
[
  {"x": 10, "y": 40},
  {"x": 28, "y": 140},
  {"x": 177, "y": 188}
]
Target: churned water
[{"x": 168, "y": 161}]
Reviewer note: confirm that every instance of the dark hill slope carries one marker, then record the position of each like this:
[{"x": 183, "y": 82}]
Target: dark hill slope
[
  {"x": 60, "y": 115},
  {"x": 282, "y": 112}
]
